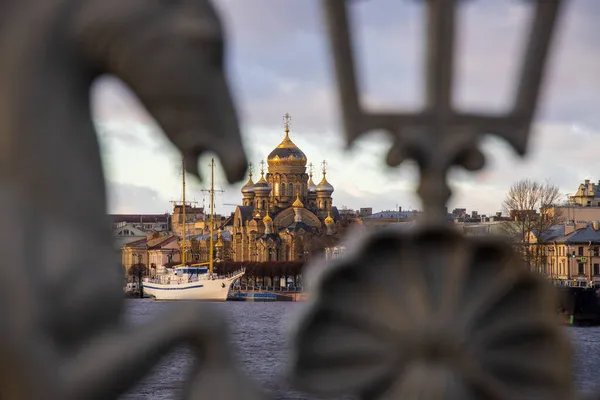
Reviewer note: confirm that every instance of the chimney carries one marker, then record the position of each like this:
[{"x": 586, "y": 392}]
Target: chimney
[{"x": 569, "y": 228}]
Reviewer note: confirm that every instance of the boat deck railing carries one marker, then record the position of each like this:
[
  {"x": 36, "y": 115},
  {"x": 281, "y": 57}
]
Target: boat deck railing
[
  {"x": 178, "y": 280},
  {"x": 258, "y": 288}
]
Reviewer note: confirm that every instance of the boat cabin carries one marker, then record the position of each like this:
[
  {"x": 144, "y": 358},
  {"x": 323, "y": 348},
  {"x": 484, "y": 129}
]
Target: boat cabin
[{"x": 189, "y": 270}]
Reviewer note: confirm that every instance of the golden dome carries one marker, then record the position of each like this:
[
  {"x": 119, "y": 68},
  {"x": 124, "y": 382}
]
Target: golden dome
[
  {"x": 297, "y": 203},
  {"x": 248, "y": 188},
  {"x": 267, "y": 219},
  {"x": 329, "y": 220},
  {"x": 262, "y": 186},
  {"x": 324, "y": 186},
  {"x": 287, "y": 153},
  {"x": 311, "y": 185}
]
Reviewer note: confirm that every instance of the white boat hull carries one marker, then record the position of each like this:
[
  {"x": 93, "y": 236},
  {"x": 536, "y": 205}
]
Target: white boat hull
[{"x": 204, "y": 289}]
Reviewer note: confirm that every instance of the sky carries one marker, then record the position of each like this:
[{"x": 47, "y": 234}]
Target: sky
[{"x": 278, "y": 61}]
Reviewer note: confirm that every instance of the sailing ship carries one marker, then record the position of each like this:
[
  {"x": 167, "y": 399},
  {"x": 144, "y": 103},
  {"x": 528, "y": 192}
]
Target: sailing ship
[{"x": 196, "y": 281}]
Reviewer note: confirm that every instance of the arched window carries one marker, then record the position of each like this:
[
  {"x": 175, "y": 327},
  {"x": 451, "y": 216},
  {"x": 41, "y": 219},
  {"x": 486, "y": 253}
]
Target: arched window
[
  {"x": 291, "y": 190},
  {"x": 283, "y": 189},
  {"x": 264, "y": 205}
]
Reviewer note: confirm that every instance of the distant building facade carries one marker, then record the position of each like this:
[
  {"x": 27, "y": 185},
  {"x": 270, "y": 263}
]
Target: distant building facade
[
  {"x": 196, "y": 220},
  {"x": 126, "y": 234},
  {"x": 144, "y": 222},
  {"x": 571, "y": 252},
  {"x": 587, "y": 195}
]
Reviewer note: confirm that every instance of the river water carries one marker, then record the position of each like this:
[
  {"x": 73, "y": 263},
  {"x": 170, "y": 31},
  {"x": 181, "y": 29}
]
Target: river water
[{"x": 258, "y": 333}]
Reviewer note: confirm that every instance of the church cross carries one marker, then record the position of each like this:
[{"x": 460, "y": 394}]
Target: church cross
[
  {"x": 324, "y": 166},
  {"x": 262, "y": 167},
  {"x": 287, "y": 122}
]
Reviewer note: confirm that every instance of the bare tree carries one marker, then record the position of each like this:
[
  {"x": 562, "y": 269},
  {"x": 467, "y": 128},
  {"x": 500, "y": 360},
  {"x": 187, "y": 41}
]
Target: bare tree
[
  {"x": 138, "y": 271},
  {"x": 531, "y": 206}
]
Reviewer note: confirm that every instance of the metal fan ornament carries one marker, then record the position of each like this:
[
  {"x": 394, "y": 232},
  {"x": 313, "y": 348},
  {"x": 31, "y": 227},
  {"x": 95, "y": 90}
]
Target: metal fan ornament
[{"x": 429, "y": 313}]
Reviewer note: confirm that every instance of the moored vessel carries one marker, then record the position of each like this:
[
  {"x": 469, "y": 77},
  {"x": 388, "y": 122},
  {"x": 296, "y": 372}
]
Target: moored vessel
[{"x": 192, "y": 282}]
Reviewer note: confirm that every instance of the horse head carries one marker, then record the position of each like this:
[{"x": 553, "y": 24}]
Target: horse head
[{"x": 171, "y": 54}]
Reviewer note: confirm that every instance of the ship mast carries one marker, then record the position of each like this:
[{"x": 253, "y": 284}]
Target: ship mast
[
  {"x": 183, "y": 232},
  {"x": 212, "y": 209}
]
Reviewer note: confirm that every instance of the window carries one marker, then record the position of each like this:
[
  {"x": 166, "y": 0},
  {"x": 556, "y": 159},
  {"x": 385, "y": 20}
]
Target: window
[
  {"x": 283, "y": 189},
  {"x": 581, "y": 268},
  {"x": 596, "y": 269},
  {"x": 596, "y": 252},
  {"x": 291, "y": 187},
  {"x": 580, "y": 250}
]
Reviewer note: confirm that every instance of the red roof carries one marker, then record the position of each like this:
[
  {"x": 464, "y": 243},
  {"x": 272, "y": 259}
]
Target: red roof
[
  {"x": 165, "y": 240},
  {"x": 136, "y": 243}
]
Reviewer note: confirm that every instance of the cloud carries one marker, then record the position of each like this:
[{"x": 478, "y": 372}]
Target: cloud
[
  {"x": 279, "y": 61},
  {"x": 126, "y": 198}
]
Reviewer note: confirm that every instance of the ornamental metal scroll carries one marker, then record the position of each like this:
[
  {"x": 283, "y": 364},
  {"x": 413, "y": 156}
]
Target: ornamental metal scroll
[{"x": 461, "y": 320}]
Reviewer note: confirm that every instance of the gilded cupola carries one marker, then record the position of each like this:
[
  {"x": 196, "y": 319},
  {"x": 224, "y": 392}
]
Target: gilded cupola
[
  {"x": 267, "y": 219},
  {"x": 262, "y": 187},
  {"x": 312, "y": 188},
  {"x": 248, "y": 188},
  {"x": 329, "y": 220},
  {"x": 324, "y": 187},
  {"x": 298, "y": 203},
  {"x": 286, "y": 153}
]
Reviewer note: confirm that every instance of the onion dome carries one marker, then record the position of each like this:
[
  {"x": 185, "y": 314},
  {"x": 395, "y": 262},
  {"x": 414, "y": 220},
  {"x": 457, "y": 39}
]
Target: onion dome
[
  {"x": 311, "y": 185},
  {"x": 298, "y": 203},
  {"x": 262, "y": 186},
  {"x": 248, "y": 188},
  {"x": 312, "y": 188},
  {"x": 324, "y": 186},
  {"x": 267, "y": 219},
  {"x": 329, "y": 220},
  {"x": 287, "y": 153}
]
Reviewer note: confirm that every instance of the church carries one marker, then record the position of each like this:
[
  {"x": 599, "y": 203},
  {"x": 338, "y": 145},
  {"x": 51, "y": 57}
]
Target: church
[{"x": 284, "y": 211}]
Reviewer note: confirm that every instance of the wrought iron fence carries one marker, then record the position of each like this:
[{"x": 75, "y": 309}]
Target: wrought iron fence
[{"x": 457, "y": 317}]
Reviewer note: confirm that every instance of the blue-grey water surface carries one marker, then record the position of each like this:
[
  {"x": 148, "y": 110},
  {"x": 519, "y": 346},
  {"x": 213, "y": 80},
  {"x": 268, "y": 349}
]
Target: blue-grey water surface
[{"x": 258, "y": 334}]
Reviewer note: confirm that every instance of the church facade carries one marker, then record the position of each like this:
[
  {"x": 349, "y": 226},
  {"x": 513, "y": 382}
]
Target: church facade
[{"x": 284, "y": 211}]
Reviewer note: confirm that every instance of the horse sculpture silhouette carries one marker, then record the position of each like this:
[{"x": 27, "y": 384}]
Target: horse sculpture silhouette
[{"x": 61, "y": 297}]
